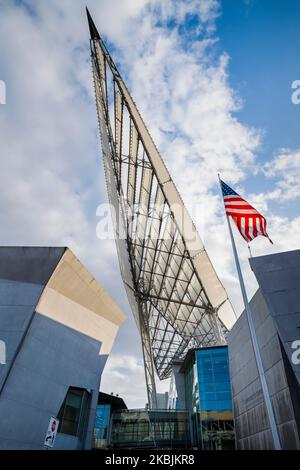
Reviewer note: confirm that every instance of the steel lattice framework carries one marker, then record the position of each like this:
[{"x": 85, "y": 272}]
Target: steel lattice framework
[{"x": 176, "y": 297}]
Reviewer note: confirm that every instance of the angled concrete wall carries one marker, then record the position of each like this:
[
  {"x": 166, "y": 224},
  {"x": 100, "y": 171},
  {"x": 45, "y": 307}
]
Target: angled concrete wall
[
  {"x": 251, "y": 421},
  {"x": 53, "y": 357},
  {"x": 24, "y": 272},
  {"x": 279, "y": 279}
]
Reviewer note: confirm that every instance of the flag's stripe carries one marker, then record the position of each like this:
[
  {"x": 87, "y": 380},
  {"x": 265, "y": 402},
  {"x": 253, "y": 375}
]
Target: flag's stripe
[
  {"x": 232, "y": 198},
  {"x": 264, "y": 227},
  {"x": 229, "y": 207},
  {"x": 242, "y": 211},
  {"x": 243, "y": 227},
  {"x": 261, "y": 225},
  {"x": 237, "y": 205},
  {"x": 255, "y": 225},
  {"x": 238, "y": 222},
  {"x": 246, "y": 230},
  {"x": 250, "y": 228}
]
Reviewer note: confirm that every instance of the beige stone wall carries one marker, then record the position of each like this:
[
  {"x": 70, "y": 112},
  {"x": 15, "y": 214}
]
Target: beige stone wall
[{"x": 74, "y": 298}]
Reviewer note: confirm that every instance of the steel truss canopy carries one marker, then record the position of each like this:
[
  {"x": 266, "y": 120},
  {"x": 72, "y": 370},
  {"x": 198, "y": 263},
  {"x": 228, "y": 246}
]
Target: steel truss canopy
[{"x": 174, "y": 292}]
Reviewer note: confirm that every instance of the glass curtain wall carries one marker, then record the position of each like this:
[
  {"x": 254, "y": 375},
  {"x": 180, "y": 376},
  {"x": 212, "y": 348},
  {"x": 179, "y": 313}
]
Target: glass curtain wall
[
  {"x": 101, "y": 429},
  {"x": 215, "y": 401},
  {"x": 150, "y": 429}
]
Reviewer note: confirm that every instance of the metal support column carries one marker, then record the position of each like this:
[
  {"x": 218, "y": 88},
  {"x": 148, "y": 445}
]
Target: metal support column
[{"x": 148, "y": 360}]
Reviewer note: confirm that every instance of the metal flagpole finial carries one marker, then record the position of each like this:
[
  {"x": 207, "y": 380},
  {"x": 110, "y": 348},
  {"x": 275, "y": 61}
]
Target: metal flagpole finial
[{"x": 250, "y": 253}]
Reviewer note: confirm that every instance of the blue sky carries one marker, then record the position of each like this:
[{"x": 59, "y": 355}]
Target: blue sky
[
  {"x": 213, "y": 83},
  {"x": 263, "y": 41}
]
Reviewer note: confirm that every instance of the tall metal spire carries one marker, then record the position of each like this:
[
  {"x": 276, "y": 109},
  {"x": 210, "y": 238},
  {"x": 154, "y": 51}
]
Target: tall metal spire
[
  {"x": 93, "y": 30},
  {"x": 174, "y": 292}
]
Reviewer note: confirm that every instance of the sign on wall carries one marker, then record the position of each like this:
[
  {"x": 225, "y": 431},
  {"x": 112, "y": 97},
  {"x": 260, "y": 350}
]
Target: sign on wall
[{"x": 51, "y": 433}]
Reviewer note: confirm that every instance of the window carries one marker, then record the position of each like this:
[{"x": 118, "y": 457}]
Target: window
[
  {"x": 216, "y": 428},
  {"x": 214, "y": 380},
  {"x": 73, "y": 412},
  {"x": 100, "y": 435},
  {"x": 153, "y": 428}
]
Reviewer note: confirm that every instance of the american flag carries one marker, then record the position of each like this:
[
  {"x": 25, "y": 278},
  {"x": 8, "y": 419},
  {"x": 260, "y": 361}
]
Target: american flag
[{"x": 249, "y": 222}]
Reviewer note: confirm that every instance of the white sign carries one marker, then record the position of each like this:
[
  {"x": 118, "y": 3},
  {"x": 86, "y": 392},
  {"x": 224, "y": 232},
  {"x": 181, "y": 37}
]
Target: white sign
[
  {"x": 2, "y": 92},
  {"x": 2, "y": 352},
  {"x": 51, "y": 433}
]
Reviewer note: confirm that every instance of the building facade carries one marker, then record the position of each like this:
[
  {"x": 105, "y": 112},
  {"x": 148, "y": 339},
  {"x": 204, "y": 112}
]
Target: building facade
[
  {"x": 201, "y": 385},
  {"x": 150, "y": 429},
  {"x": 107, "y": 404},
  {"x": 276, "y": 312},
  {"x": 58, "y": 325},
  {"x": 116, "y": 427}
]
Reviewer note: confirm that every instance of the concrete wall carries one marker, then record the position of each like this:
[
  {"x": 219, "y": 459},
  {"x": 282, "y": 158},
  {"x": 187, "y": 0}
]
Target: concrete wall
[
  {"x": 18, "y": 301},
  {"x": 24, "y": 272},
  {"x": 251, "y": 422},
  {"x": 53, "y": 357},
  {"x": 279, "y": 279}
]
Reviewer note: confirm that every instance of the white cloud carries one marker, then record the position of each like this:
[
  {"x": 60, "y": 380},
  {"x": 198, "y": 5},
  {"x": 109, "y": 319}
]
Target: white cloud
[
  {"x": 285, "y": 168},
  {"x": 124, "y": 375},
  {"x": 186, "y": 100}
]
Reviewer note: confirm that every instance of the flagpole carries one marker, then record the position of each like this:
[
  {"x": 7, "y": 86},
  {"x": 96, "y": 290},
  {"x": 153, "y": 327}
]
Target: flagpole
[{"x": 265, "y": 389}]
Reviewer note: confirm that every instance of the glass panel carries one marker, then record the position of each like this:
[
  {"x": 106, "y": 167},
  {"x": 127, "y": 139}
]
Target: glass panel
[
  {"x": 207, "y": 387},
  {"x": 145, "y": 429},
  {"x": 73, "y": 412},
  {"x": 215, "y": 403},
  {"x": 101, "y": 426},
  {"x": 223, "y": 396}
]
